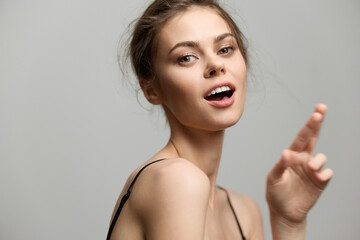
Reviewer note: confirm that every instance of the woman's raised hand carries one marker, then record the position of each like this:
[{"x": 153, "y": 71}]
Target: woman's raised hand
[{"x": 297, "y": 180}]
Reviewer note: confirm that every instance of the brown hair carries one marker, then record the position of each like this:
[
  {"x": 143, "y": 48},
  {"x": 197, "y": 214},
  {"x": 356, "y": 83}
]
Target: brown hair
[{"x": 142, "y": 41}]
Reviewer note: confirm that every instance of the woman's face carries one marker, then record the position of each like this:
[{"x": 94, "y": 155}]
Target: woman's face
[{"x": 201, "y": 74}]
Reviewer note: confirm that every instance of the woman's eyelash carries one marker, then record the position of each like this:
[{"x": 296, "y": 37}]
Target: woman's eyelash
[
  {"x": 226, "y": 50},
  {"x": 188, "y": 58}
]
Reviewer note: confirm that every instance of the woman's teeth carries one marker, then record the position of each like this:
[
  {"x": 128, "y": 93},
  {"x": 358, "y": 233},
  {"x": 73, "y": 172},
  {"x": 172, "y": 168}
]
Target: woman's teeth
[{"x": 219, "y": 90}]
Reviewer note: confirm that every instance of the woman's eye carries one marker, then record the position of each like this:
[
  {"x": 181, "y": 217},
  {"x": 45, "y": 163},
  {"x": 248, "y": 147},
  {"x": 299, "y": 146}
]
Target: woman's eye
[
  {"x": 186, "y": 59},
  {"x": 225, "y": 50}
]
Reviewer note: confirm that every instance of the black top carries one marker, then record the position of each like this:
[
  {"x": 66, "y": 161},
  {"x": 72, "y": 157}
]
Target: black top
[{"x": 127, "y": 195}]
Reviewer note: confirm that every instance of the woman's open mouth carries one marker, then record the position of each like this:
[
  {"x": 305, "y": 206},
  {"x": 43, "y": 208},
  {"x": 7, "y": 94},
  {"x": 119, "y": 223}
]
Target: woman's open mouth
[
  {"x": 221, "y": 96},
  {"x": 220, "y": 93}
]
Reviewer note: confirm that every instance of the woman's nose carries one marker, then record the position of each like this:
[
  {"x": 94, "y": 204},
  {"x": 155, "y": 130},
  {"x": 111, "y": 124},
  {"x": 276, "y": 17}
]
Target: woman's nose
[{"x": 214, "y": 68}]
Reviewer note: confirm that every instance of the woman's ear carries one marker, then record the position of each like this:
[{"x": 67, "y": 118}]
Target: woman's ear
[{"x": 151, "y": 92}]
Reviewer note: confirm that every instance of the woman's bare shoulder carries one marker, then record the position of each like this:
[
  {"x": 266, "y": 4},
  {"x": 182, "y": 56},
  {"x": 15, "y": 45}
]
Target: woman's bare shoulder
[
  {"x": 180, "y": 173},
  {"x": 168, "y": 194},
  {"x": 243, "y": 202},
  {"x": 249, "y": 215},
  {"x": 170, "y": 178},
  {"x": 170, "y": 168}
]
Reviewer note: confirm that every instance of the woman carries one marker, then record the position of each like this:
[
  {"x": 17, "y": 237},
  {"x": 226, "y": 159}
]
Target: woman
[{"x": 190, "y": 58}]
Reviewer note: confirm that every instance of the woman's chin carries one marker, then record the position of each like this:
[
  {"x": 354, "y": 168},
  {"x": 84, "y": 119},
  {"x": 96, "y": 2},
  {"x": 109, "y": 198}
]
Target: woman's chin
[
  {"x": 230, "y": 120},
  {"x": 228, "y": 124},
  {"x": 222, "y": 124}
]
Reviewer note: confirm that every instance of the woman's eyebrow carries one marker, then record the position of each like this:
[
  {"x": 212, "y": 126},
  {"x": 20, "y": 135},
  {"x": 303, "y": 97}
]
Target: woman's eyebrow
[
  {"x": 185, "y": 44},
  {"x": 194, "y": 44},
  {"x": 222, "y": 37}
]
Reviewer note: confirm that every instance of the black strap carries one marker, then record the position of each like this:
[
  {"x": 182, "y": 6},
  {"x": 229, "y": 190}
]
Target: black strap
[
  {"x": 232, "y": 209},
  {"x": 127, "y": 195},
  {"x": 125, "y": 198}
]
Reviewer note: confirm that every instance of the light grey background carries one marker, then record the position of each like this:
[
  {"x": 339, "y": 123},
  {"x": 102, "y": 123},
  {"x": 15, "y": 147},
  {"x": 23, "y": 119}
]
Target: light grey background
[{"x": 70, "y": 133}]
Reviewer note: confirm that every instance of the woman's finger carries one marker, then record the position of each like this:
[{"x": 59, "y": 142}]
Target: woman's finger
[
  {"x": 320, "y": 177},
  {"x": 277, "y": 171},
  {"x": 288, "y": 158},
  {"x": 316, "y": 163},
  {"x": 324, "y": 177},
  {"x": 306, "y": 138}
]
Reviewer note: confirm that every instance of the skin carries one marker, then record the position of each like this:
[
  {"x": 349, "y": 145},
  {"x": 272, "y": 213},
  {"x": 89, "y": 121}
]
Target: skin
[{"x": 187, "y": 179}]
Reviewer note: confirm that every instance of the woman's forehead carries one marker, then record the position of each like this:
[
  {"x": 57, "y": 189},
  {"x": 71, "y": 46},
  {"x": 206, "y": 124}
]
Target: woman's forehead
[{"x": 195, "y": 24}]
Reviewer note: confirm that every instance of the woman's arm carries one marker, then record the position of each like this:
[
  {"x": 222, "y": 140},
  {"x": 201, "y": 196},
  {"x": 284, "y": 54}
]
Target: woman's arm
[{"x": 297, "y": 181}]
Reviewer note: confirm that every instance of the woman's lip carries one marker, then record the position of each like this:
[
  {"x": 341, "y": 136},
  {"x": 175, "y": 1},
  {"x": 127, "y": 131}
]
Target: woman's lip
[
  {"x": 225, "y": 102},
  {"x": 221, "y": 84}
]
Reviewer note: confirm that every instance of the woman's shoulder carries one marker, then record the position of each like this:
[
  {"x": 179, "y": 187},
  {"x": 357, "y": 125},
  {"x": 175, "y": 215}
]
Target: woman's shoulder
[
  {"x": 242, "y": 201},
  {"x": 169, "y": 178},
  {"x": 171, "y": 192},
  {"x": 177, "y": 170},
  {"x": 176, "y": 167},
  {"x": 249, "y": 214}
]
